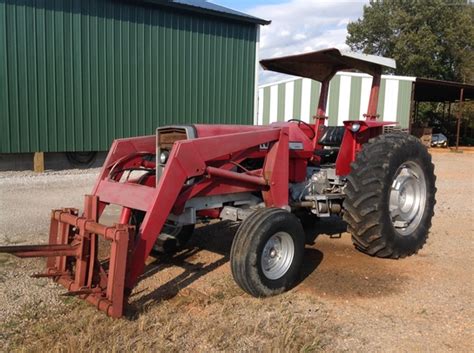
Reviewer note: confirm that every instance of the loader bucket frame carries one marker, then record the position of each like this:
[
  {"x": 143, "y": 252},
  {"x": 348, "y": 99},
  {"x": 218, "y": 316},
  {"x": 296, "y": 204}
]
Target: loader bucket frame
[{"x": 72, "y": 252}]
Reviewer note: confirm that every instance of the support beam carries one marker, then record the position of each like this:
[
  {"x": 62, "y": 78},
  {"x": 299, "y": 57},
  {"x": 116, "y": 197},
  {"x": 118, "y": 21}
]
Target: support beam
[
  {"x": 374, "y": 96},
  {"x": 38, "y": 162},
  {"x": 320, "y": 117},
  {"x": 459, "y": 114},
  {"x": 323, "y": 98}
]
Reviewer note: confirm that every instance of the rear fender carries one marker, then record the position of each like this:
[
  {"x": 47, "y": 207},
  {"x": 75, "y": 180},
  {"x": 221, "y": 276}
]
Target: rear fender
[{"x": 357, "y": 133}]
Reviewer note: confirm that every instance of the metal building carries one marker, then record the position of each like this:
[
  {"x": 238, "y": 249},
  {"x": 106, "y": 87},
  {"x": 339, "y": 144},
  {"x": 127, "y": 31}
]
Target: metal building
[
  {"x": 74, "y": 75},
  {"x": 348, "y": 99}
]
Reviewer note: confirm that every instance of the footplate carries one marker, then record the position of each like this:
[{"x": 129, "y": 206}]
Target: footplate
[{"x": 73, "y": 260}]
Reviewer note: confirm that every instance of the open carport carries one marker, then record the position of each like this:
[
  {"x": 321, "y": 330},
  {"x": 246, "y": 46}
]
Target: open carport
[{"x": 446, "y": 92}]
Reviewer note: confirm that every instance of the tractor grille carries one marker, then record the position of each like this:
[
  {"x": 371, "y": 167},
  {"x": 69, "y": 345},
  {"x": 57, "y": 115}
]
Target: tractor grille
[
  {"x": 390, "y": 129},
  {"x": 165, "y": 138}
]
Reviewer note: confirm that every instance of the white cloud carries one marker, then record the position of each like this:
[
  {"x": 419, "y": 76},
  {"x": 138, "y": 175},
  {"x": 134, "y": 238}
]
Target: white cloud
[
  {"x": 299, "y": 36},
  {"x": 304, "y": 25}
]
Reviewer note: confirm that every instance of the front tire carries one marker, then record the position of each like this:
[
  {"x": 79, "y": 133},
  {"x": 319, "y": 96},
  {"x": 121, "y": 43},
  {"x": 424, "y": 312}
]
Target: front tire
[
  {"x": 390, "y": 196},
  {"x": 267, "y": 252}
]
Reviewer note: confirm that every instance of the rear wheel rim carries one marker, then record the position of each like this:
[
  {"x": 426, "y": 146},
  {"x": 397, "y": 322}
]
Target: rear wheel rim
[
  {"x": 277, "y": 255},
  {"x": 407, "y": 198}
]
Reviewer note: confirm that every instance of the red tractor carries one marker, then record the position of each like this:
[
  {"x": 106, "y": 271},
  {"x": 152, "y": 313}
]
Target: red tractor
[{"x": 266, "y": 177}]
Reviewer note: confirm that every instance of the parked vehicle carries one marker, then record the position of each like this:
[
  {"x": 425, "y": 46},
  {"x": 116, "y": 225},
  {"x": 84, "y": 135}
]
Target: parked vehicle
[{"x": 439, "y": 140}]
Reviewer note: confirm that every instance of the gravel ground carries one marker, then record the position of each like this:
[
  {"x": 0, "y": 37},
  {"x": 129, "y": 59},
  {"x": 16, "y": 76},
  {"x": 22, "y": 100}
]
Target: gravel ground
[
  {"x": 346, "y": 301},
  {"x": 25, "y": 201}
]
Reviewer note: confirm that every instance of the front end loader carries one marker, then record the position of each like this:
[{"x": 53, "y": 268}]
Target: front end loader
[{"x": 269, "y": 178}]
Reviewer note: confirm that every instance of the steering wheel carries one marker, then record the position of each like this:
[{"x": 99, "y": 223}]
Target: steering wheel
[{"x": 306, "y": 124}]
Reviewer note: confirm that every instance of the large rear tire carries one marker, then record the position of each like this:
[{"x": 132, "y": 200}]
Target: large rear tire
[
  {"x": 390, "y": 196},
  {"x": 267, "y": 252}
]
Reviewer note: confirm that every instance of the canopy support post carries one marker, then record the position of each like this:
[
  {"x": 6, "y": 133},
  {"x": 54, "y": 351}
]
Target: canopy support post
[{"x": 374, "y": 95}]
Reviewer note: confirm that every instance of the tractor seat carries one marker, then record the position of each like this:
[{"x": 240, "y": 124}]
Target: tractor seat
[
  {"x": 332, "y": 136},
  {"x": 331, "y": 140}
]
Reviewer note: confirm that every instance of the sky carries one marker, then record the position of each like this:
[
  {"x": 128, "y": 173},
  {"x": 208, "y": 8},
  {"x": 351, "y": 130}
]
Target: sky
[{"x": 299, "y": 25}]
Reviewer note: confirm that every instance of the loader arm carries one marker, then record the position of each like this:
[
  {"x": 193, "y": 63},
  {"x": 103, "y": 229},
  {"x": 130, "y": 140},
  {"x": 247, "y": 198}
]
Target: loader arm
[
  {"x": 189, "y": 158},
  {"x": 72, "y": 251}
]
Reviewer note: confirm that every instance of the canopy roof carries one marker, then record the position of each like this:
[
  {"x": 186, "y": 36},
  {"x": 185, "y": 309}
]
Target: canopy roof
[
  {"x": 428, "y": 90},
  {"x": 320, "y": 65}
]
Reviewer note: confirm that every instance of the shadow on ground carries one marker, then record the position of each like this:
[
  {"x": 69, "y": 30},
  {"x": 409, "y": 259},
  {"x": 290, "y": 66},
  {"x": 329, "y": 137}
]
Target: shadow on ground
[
  {"x": 331, "y": 267},
  {"x": 344, "y": 272}
]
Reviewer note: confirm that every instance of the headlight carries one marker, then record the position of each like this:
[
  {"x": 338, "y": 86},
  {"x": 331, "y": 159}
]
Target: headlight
[
  {"x": 164, "y": 157},
  {"x": 355, "y": 127}
]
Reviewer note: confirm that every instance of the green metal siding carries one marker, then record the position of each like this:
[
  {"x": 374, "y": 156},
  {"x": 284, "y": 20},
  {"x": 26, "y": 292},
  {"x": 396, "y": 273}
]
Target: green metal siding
[
  {"x": 74, "y": 75},
  {"x": 354, "y": 103},
  {"x": 281, "y": 102},
  {"x": 297, "y": 98},
  {"x": 381, "y": 102},
  {"x": 333, "y": 100},
  {"x": 266, "y": 107},
  {"x": 315, "y": 90},
  {"x": 403, "y": 109}
]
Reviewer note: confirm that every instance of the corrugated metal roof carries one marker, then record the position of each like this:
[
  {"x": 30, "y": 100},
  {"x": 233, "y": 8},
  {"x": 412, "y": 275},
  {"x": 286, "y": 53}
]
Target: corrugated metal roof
[{"x": 206, "y": 7}]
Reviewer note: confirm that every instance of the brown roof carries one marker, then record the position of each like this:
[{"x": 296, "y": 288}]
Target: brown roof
[
  {"x": 319, "y": 65},
  {"x": 428, "y": 90}
]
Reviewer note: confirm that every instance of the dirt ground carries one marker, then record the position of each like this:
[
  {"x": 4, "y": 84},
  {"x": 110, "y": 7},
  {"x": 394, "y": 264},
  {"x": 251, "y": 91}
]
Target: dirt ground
[{"x": 345, "y": 302}]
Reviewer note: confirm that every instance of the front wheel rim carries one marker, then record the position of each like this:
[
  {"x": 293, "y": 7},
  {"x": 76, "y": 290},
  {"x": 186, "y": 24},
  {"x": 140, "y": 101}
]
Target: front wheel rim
[
  {"x": 277, "y": 255},
  {"x": 407, "y": 198}
]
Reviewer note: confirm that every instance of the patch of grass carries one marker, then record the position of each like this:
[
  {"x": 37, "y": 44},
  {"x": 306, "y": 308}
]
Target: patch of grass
[
  {"x": 5, "y": 259},
  {"x": 191, "y": 321}
]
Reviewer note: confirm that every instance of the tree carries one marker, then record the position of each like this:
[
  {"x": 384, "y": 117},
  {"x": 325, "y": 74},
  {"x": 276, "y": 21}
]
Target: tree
[{"x": 431, "y": 39}]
